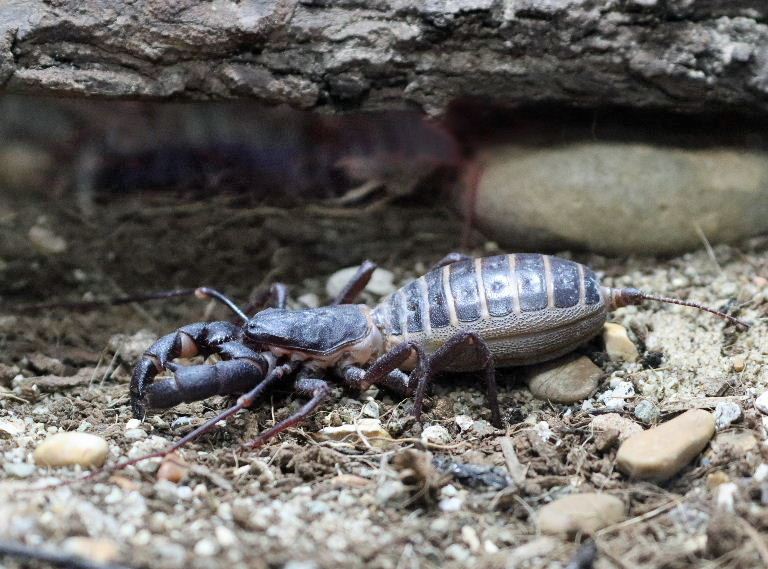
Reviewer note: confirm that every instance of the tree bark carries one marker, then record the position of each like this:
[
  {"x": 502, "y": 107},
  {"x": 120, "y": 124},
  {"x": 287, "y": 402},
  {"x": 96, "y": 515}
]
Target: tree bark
[{"x": 680, "y": 55}]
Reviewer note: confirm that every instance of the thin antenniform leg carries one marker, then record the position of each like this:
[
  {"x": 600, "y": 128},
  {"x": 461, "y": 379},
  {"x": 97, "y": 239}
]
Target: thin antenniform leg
[
  {"x": 670, "y": 300},
  {"x": 89, "y": 304},
  {"x": 207, "y": 292},
  {"x": 356, "y": 284},
  {"x": 619, "y": 297},
  {"x": 443, "y": 357},
  {"x": 317, "y": 388}
]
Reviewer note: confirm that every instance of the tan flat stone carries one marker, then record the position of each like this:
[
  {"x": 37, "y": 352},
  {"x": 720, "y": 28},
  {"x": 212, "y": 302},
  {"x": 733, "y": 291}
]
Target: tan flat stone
[
  {"x": 661, "y": 452},
  {"x": 580, "y": 513},
  {"x": 617, "y": 343},
  {"x": 564, "y": 381}
]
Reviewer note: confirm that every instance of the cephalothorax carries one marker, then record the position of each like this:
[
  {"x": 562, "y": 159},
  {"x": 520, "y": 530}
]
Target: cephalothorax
[{"x": 465, "y": 314}]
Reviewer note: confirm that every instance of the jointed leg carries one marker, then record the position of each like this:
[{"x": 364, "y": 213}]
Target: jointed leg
[
  {"x": 356, "y": 284},
  {"x": 444, "y": 356},
  {"x": 318, "y": 389}
]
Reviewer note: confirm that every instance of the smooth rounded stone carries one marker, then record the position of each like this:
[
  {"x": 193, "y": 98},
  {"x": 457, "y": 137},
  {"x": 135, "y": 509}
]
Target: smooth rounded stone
[
  {"x": 618, "y": 346},
  {"x": 761, "y": 403},
  {"x": 72, "y": 448},
  {"x": 647, "y": 411},
  {"x": 726, "y": 413},
  {"x": 381, "y": 283},
  {"x": 566, "y": 381},
  {"x": 621, "y": 198},
  {"x": 580, "y": 514},
  {"x": 661, "y": 452}
]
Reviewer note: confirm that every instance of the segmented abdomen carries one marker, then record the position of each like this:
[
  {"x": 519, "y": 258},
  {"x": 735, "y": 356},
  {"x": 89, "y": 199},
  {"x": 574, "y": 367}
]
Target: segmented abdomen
[{"x": 529, "y": 307}]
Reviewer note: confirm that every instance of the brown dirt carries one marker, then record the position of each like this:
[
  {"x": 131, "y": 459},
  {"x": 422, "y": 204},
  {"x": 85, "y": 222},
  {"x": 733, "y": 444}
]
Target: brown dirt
[{"x": 342, "y": 504}]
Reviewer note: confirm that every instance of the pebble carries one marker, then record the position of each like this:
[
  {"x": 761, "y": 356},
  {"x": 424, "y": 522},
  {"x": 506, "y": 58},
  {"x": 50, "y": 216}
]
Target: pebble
[
  {"x": 381, "y": 283},
  {"x": 733, "y": 443},
  {"x": 46, "y": 241},
  {"x": 647, "y": 412},
  {"x": 436, "y": 434},
  {"x": 309, "y": 300},
  {"x": 633, "y": 197},
  {"x": 727, "y": 412},
  {"x": 761, "y": 403},
  {"x": 19, "y": 469},
  {"x": 135, "y": 434},
  {"x": 464, "y": 422},
  {"x": 72, "y": 448},
  {"x": 11, "y": 428},
  {"x": 173, "y": 469},
  {"x": 564, "y": 382},
  {"x": 617, "y": 396},
  {"x": 98, "y": 550},
  {"x": 580, "y": 514},
  {"x": 132, "y": 424},
  {"x": 625, "y": 427},
  {"x": 371, "y": 429},
  {"x": 206, "y": 548},
  {"x": 739, "y": 362},
  {"x": 618, "y": 346},
  {"x": 370, "y": 409},
  {"x": 661, "y": 452}
]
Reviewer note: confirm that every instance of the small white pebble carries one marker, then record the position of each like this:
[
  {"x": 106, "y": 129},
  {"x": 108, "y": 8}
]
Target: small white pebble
[
  {"x": 371, "y": 409},
  {"x": 132, "y": 424},
  {"x": 46, "y": 241},
  {"x": 206, "y": 548},
  {"x": 726, "y": 412},
  {"x": 450, "y": 505},
  {"x": 135, "y": 434},
  {"x": 464, "y": 422},
  {"x": 726, "y": 496},
  {"x": 436, "y": 434},
  {"x": 761, "y": 472},
  {"x": 225, "y": 536},
  {"x": 761, "y": 403}
]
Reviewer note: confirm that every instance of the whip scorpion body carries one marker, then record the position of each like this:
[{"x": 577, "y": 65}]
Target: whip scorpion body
[{"x": 465, "y": 314}]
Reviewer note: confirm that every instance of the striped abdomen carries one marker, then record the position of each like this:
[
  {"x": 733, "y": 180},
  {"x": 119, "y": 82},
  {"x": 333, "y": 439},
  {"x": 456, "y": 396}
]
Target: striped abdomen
[{"x": 528, "y": 307}]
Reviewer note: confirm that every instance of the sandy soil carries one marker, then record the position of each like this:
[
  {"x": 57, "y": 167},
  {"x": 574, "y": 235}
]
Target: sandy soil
[{"x": 303, "y": 503}]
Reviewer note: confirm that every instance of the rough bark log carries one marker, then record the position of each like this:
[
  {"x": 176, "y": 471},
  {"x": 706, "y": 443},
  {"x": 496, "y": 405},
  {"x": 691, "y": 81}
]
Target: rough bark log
[{"x": 682, "y": 55}]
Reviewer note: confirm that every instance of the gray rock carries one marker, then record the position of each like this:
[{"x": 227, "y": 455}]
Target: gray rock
[
  {"x": 564, "y": 381},
  {"x": 727, "y": 412},
  {"x": 647, "y": 412},
  {"x": 619, "y": 198}
]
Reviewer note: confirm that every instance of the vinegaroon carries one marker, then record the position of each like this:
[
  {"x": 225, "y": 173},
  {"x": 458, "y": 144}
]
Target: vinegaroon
[{"x": 465, "y": 314}]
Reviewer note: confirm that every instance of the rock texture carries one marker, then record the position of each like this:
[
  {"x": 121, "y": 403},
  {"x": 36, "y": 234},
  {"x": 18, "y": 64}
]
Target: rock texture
[
  {"x": 622, "y": 198},
  {"x": 580, "y": 513},
  {"x": 564, "y": 381},
  {"x": 673, "y": 54},
  {"x": 661, "y": 452}
]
